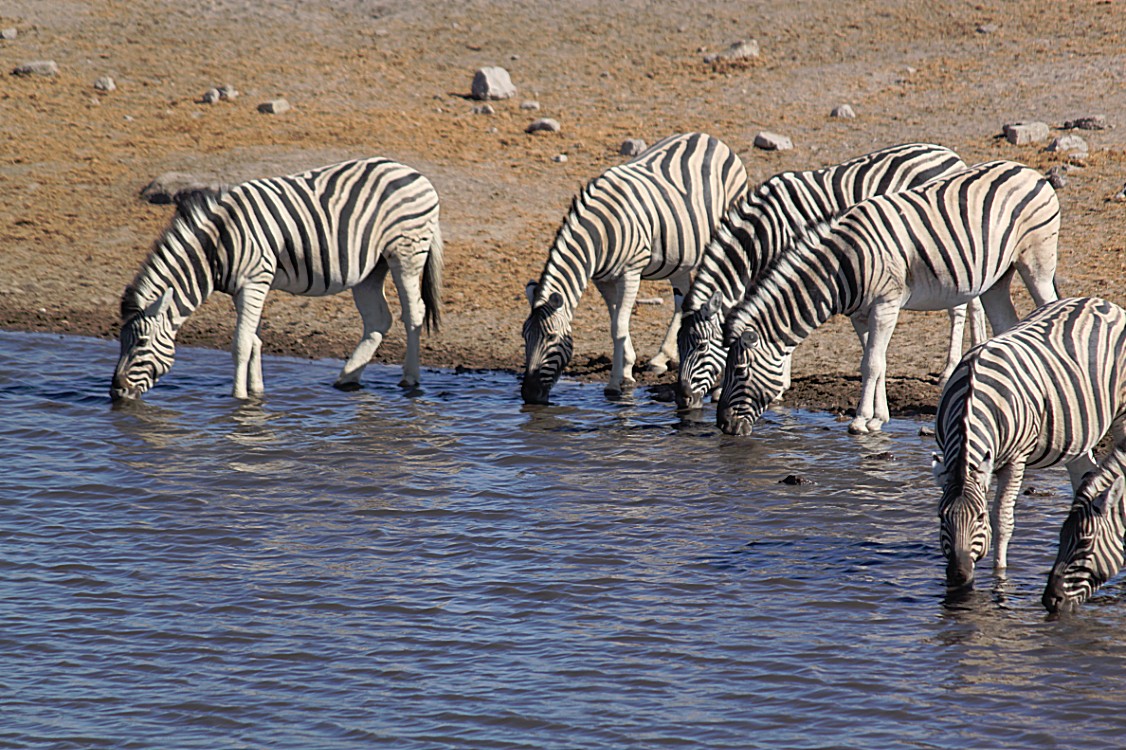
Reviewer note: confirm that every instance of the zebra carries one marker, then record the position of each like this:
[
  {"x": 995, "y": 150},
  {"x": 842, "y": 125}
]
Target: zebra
[
  {"x": 315, "y": 233},
  {"x": 931, "y": 247},
  {"x": 1092, "y": 539},
  {"x": 765, "y": 222},
  {"x": 648, "y": 218},
  {"x": 1046, "y": 391}
]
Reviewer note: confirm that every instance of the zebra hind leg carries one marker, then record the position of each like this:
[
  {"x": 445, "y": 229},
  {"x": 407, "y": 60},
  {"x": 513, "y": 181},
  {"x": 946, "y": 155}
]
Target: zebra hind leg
[
  {"x": 376, "y": 317},
  {"x": 407, "y": 262},
  {"x": 620, "y": 295},
  {"x": 659, "y": 365}
]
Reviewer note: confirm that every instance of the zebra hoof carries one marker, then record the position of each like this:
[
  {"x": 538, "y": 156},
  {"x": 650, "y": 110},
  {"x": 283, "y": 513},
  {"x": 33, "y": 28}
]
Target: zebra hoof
[
  {"x": 347, "y": 386},
  {"x": 655, "y": 369},
  {"x": 858, "y": 427}
]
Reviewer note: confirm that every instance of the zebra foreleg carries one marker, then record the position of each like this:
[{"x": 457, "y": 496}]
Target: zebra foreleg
[
  {"x": 659, "y": 365},
  {"x": 376, "y": 316},
  {"x": 872, "y": 411},
  {"x": 620, "y": 295},
  {"x": 247, "y": 347},
  {"x": 1009, "y": 479},
  {"x": 998, "y": 304}
]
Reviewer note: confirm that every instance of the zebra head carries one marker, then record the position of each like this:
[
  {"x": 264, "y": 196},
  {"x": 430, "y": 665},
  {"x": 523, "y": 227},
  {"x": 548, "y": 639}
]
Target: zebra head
[
  {"x": 699, "y": 346},
  {"x": 963, "y": 512},
  {"x": 148, "y": 345},
  {"x": 1091, "y": 545},
  {"x": 752, "y": 378},
  {"x": 547, "y": 346}
]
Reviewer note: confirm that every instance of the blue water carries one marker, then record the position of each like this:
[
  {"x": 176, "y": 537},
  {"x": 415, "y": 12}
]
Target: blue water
[{"x": 451, "y": 569}]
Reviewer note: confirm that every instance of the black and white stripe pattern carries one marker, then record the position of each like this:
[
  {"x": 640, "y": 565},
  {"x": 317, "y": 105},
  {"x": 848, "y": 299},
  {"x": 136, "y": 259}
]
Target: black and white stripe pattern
[
  {"x": 927, "y": 248},
  {"x": 315, "y": 233},
  {"x": 1092, "y": 539},
  {"x": 1044, "y": 392},
  {"x": 649, "y": 218},
  {"x": 766, "y": 222}
]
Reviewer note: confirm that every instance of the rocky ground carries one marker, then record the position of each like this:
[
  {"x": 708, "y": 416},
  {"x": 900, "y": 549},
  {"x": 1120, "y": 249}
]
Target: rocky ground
[{"x": 392, "y": 78}]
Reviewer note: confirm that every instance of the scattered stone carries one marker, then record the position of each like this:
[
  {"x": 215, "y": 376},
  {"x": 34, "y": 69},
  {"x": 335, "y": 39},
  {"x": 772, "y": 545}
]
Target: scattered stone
[
  {"x": 1121, "y": 194},
  {"x": 843, "y": 111},
  {"x": 274, "y": 107},
  {"x": 794, "y": 480},
  {"x": 632, "y": 147},
  {"x": 1057, "y": 176},
  {"x": 741, "y": 50},
  {"x": 1093, "y": 122},
  {"x": 559, "y": 158},
  {"x": 8, "y": 34},
  {"x": 227, "y": 92},
  {"x": 530, "y": 104},
  {"x": 988, "y": 28},
  {"x": 105, "y": 83},
  {"x": 484, "y": 109},
  {"x": 1068, "y": 143},
  {"x": 37, "y": 68},
  {"x": 543, "y": 125},
  {"x": 925, "y": 431},
  {"x": 168, "y": 187},
  {"x": 1023, "y": 133},
  {"x": 492, "y": 83},
  {"x": 1034, "y": 492},
  {"x": 210, "y": 96},
  {"x": 772, "y": 142},
  {"x": 883, "y": 456}
]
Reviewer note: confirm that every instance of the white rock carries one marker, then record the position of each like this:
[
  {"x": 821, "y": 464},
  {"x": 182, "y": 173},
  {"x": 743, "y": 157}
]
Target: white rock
[
  {"x": 1068, "y": 143},
  {"x": 274, "y": 107},
  {"x": 843, "y": 110},
  {"x": 484, "y": 109},
  {"x": 530, "y": 104},
  {"x": 37, "y": 68},
  {"x": 9, "y": 34},
  {"x": 741, "y": 50},
  {"x": 559, "y": 158},
  {"x": 492, "y": 83},
  {"x": 105, "y": 83},
  {"x": 632, "y": 147},
  {"x": 543, "y": 125},
  {"x": 210, "y": 96},
  {"x": 1023, "y": 133},
  {"x": 772, "y": 142}
]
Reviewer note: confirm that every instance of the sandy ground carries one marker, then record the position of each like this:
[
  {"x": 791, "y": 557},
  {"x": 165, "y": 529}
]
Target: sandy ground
[{"x": 392, "y": 77}]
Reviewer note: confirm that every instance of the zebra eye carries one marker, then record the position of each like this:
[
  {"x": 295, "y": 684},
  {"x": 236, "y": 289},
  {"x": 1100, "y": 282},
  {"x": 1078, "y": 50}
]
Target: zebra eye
[{"x": 702, "y": 346}]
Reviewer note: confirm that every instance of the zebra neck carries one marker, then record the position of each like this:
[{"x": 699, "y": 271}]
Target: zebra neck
[
  {"x": 797, "y": 295},
  {"x": 183, "y": 260}
]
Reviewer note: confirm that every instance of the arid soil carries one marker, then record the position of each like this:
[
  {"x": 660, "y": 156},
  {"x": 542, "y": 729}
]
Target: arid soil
[{"x": 392, "y": 78}]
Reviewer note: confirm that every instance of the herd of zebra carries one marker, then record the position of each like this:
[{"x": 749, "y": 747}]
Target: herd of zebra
[{"x": 754, "y": 272}]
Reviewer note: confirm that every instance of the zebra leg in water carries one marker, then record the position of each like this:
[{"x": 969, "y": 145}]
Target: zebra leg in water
[
  {"x": 247, "y": 346},
  {"x": 659, "y": 364},
  {"x": 376, "y": 316},
  {"x": 880, "y": 394},
  {"x": 407, "y": 264},
  {"x": 620, "y": 294},
  {"x": 1009, "y": 479},
  {"x": 872, "y": 411}
]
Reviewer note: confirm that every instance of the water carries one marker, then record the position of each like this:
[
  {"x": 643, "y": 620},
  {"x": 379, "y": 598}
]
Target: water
[{"x": 454, "y": 570}]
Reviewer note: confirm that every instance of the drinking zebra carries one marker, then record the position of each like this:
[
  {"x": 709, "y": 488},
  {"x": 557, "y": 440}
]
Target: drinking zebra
[
  {"x": 928, "y": 248},
  {"x": 1092, "y": 539},
  {"x": 315, "y": 233},
  {"x": 1044, "y": 392},
  {"x": 649, "y": 218},
  {"x": 766, "y": 222}
]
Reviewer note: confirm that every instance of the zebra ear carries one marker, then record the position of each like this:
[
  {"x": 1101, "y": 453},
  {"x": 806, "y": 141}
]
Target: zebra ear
[
  {"x": 714, "y": 305},
  {"x": 938, "y": 469},
  {"x": 530, "y": 292},
  {"x": 158, "y": 307}
]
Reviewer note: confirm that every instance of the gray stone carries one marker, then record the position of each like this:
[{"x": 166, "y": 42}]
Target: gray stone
[
  {"x": 1093, "y": 122},
  {"x": 1121, "y": 194},
  {"x": 843, "y": 111},
  {"x": 492, "y": 83},
  {"x": 559, "y": 158},
  {"x": 227, "y": 92},
  {"x": 274, "y": 107},
  {"x": 530, "y": 104},
  {"x": 1023, "y": 133},
  {"x": 987, "y": 28},
  {"x": 742, "y": 50},
  {"x": 484, "y": 109},
  {"x": 37, "y": 68},
  {"x": 105, "y": 83},
  {"x": 170, "y": 186},
  {"x": 8, "y": 34},
  {"x": 1068, "y": 143},
  {"x": 772, "y": 142},
  {"x": 632, "y": 147},
  {"x": 210, "y": 96},
  {"x": 1057, "y": 176},
  {"x": 543, "y": 125}
]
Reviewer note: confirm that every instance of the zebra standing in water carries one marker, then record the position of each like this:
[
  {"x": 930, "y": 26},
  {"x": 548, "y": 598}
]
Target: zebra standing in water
[
  {"x": 1045, "y": 391},
  {"x": 315, "y": 233},
  {"x": 928, "y": 248},
  {"x": 768, "y": 221},
  {"x": 1093, "y": 537},
  {"x": 649, "y": 218}
]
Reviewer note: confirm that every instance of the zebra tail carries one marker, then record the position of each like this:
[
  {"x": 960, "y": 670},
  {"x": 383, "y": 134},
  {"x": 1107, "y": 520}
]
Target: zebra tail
[{"x": 432, "y": 282}]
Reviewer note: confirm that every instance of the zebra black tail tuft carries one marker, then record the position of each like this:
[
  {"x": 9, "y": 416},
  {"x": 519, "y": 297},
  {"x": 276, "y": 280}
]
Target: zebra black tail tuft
[{"x": 432, "y": 282}]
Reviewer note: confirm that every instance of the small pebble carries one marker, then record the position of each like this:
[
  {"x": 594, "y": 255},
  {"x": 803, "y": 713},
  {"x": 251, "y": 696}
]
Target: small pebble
[
  {"x": 484, "y": 109},
  {"x": 37, "y": 68},
  {"x": 210, "y": 96},
  {"x": 543, "y": 125},
  {"x": 632, "y": 147},
  {"x": 559, "y": 158},
  {"x": 773, "y": 142},
  {"x": 105, "y": 83},
  {"x": 8, "y": 34},
  {"x": 1068, "y": 143},
  {"x": 530, "y": 104},
  {"x": 274, "y": 107},
  {"x": 844, "y": 111}
]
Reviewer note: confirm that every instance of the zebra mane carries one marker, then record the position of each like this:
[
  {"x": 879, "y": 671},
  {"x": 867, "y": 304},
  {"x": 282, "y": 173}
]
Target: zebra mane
[{"x": 190, "y": 232}]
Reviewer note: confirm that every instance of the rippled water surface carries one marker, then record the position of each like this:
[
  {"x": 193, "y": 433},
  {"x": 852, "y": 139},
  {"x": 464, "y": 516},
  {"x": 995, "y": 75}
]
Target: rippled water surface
[{"x": 450, "y": 569}]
